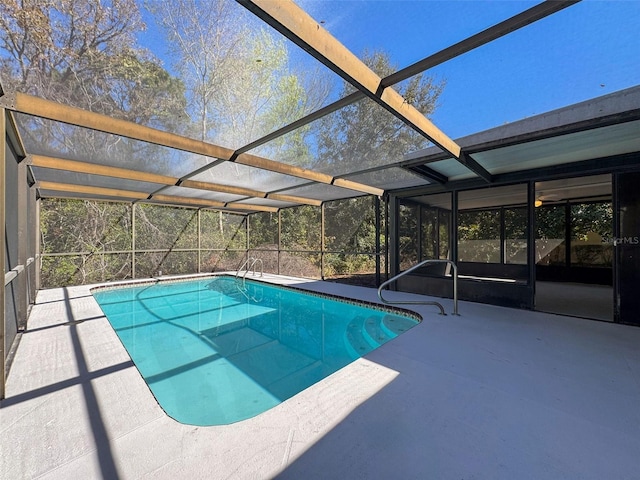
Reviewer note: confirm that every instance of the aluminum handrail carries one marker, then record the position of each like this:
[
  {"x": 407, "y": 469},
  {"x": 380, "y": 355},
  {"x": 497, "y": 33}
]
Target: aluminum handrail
[
  {"x": 258, "y": 260},
  {"x": 424, "y": 262},
  {"x": 253, "y": 265},
  {"x": 244, "y": 265}
]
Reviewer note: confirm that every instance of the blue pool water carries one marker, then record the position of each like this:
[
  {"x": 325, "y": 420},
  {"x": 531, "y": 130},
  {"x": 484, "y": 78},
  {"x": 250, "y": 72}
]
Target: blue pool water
[{"x": 215, "y": 351}]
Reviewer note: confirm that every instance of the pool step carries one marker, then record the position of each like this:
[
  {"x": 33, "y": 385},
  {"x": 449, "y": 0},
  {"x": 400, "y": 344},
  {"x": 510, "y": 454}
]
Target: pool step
[
  {"x": 395, "y": 325},
  {"x": 364, "y": 334},
  {"x": 375, "y": 333}
]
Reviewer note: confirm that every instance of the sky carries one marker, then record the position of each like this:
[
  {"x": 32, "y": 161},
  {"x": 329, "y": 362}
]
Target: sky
[
  {"x": 582, "y": 52},
  {"x": 585, "y": 51}
]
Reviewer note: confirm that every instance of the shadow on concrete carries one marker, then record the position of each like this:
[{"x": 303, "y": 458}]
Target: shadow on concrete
[{"x": 103, "y": 445}]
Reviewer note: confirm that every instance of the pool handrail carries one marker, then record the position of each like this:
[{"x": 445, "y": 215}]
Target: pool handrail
[
  {"x": 258, "y": 260},
  {"x": 253, "y": 265},
  {"x": 244, "y": 264},
  {"x": 415, "y": 267}
]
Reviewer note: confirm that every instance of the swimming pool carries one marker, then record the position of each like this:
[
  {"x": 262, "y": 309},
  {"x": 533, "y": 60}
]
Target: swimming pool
[{"x": 219, "y": 350}]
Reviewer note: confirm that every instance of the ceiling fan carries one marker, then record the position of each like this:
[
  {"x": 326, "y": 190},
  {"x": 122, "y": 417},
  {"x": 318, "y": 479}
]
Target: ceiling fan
[{"x": 542, "y": 197}]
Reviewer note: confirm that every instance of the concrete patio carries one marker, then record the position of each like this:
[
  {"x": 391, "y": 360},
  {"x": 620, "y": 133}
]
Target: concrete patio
[{"x": 492, "y": 394}]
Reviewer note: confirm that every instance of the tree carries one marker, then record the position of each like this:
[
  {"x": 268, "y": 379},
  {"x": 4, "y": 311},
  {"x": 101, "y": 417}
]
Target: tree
[
  {"x": 239, "y": 84},
  {"x": 350, "y": 236},
  {"x": 203, "y": 40},
  {"x": 364, "y": 135},
  {"x": 93, "y": 235},
  {"x": 238, "y": 79},
  {"x": 84, "y": 52}
]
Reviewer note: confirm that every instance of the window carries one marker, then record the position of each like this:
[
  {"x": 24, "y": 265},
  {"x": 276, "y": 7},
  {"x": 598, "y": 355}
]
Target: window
[
  {"x": 408, "y": 236},
  {"x": 515, "y": 235},
  {"x": 550, "y": 235},
  {"x": 591, "y": 226},
  {"x": 492, "y": 225},
  {"x": 479, "y": 236}
]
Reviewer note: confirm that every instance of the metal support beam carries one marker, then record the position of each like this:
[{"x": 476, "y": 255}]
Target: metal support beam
[
  {"x": 249, "y": 207},
  {"x": 124, "y": 173},
  {"x": 313, "y": 116},
  {"x": 344, "y": 183},
  {"x": 376, "y": 206},
  {"x": 501, "y": 29},
  {"x": 20, "y": 102},
  {"x": 133, "y": 240},
  {"x": 199, "y": 239},
  {"x": 55, "y": 163},
  {"x": 453, "y": 227},
  {"x": 3, "y": 246},
  {"x": 294, "y": 23},
  {"x": 475, "y": 167},
  {"x": 22, "y": 235},
  {"x": 529, "y": 16},
  {"x": 294, "y": 199},
  {"x": 169, "y": 199},
  {"x": 36, "y": 241},
  {"x": 531, "y": 243},
  {"x": 279, "y": 238},
  {"x": 428, "y": 173},
  {"x": 96, "y": 191},
  {"x": 30, "y": 105},
  {"x": 322, "y": 242}
]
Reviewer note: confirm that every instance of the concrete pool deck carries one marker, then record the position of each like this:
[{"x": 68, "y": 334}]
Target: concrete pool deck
[{"x": 494, "y": 393}]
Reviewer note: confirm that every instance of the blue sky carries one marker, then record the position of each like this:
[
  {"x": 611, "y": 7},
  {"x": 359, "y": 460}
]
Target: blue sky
[{"x": 585, "y": 51}]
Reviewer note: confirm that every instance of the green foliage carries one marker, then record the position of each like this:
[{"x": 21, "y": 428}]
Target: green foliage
[
  {"x": 160, "y": 227},
  {"x": 550, "y": 222},
  {"x": 238, "y": 79},
  {"x": 365, "y": 134},
  {"x": 223, "y": 231},
  {"x": 87, "y": 241},
  {"x": 300, "y": 228},
  {"x": 350, "y": 231},
  {"x": 263, "y": 230},
  {"x": 591, "y": 218},
  {"x": 83, "y": 226},
  {"x": 150, "y": 264},
  {"x": 84, "y": 53},
  {"x": 92, "y": 241},
  {"x": 408, "y": 235}
]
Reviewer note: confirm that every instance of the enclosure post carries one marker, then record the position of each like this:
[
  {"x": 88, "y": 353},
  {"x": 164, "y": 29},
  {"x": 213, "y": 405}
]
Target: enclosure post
[
  {"x": 247, "y": 242},
  {"x": 133, "y": 240},
  {"x": 376, "y": 205},
  {"x": 503, "y": 238},
  {"x": 453, "y": 228},
  {"x": 3, "y": 149},
  {"x": 199, "y": 242},
  {"x": 322, "y": 241},
  {"x": 279, "y": 235},
  {"x": 393, "y": 263},
  {"x": 37, "y": 257},
  {"x": 531, "y": 242},
  {"x": 22, "y": 296},
  {"x": 567, "y": 234},
  {"x": 386, "y": 237}
]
